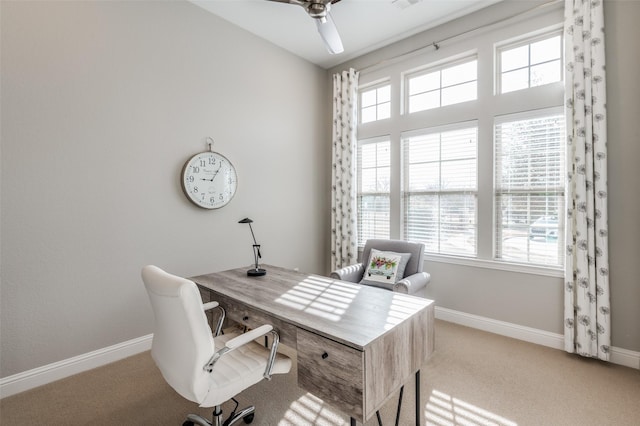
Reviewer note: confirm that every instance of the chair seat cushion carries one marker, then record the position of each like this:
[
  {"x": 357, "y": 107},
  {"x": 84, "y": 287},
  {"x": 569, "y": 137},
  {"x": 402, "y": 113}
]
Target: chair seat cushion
[
  {"x": 239, "y": 369},
  {"x": 385, "y": 268}
]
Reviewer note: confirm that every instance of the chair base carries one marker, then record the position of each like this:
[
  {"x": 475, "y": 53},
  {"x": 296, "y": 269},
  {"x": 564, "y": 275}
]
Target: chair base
[{"x": 246, "y": 414}]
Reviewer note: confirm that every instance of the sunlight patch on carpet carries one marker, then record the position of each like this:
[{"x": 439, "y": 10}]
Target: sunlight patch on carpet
[
  {"x": 444, "y": 410},
  {"x": 310, "y": 410}
]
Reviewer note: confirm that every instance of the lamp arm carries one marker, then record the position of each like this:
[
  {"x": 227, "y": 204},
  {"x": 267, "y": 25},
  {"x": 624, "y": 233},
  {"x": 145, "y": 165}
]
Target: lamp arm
[{"x": 252, "y": 234}]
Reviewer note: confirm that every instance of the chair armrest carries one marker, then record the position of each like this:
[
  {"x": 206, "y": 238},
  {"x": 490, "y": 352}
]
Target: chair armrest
[
  {"x": 212, "y": 305},
  {"x": 209, "y": 305},
  {"x": 412, "y": 283},
  {"x": 352, "y": 273},
  {"x": 249, "y": 336},
  {"x": 245, "y": 338}
]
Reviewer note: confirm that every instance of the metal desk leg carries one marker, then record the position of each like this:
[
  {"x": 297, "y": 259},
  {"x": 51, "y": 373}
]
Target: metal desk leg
[{"x": 418, "y": 407}]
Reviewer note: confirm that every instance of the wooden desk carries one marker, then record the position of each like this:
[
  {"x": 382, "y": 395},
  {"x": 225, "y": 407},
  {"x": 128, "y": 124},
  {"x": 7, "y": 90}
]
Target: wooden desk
[{"x": 356, "y": 345}]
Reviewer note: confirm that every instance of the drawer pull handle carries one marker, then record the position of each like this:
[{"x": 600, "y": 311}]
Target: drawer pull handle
[
  {"x": 245, "y": 318},
  {"x": 325, "y": 355}
]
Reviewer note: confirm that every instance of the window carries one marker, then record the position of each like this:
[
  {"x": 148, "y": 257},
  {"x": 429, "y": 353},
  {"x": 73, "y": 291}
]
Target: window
[
  {"x": 374, "y": 178},
  {"x": 375, "y": 104},
  {"x": 447, "y": 85},
  {"x": 529, "y": 188},
  {"x": 440, "y": 189},
  {"x": 473, "y": 172},
  {"x": 532, "y": 64}
]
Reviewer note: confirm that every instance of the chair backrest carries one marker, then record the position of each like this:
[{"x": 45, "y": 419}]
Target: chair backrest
[
  {"x": 415, "y": 263},
  {"x": 182, "y": 340}
]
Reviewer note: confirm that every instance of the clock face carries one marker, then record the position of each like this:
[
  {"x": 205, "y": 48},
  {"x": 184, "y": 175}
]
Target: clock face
[{"x": 209, "y": 180}]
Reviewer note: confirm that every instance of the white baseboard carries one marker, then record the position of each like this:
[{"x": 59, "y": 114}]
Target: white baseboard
[
  {"x": 30, "y": 379},
  {"x": 553, "y": 340}
]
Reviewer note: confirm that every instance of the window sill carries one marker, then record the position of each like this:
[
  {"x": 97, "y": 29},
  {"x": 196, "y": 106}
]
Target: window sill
[{"x": 547, "y": 271}]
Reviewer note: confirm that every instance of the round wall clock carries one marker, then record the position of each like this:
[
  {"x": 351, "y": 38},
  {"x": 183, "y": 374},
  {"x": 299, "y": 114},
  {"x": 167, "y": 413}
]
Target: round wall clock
[{"x": 209, "y": 180}]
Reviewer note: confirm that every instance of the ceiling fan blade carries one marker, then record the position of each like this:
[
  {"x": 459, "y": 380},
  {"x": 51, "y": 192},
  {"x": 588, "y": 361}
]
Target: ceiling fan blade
[{"x": 329, "y": 33}]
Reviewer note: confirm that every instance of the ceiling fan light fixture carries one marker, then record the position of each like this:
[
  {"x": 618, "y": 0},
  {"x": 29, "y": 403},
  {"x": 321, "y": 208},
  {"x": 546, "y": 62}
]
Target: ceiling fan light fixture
[{"x": 318, "y": 10}]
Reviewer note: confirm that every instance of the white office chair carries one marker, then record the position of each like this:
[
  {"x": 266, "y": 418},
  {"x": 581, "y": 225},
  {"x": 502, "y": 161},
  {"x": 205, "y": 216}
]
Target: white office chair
[{"x": 202, "y": 368}]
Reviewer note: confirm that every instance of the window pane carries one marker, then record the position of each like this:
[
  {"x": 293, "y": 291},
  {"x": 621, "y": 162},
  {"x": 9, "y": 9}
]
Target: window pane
[
  {"x": 515, "y": 80},
  {"x": 457, "y": 224},
  {"x": 545, "y": 73},
  {"x": 458, "y": 144},
  {"x": 546, "y": 50},
  {"x": 460, "y": 93},
  {"x": 384, "y": 111},
  {"x": 424, "y": 83},
  {"x": 383, "y": 154},
  {"x": 368, "y": 114},
  {"x": 424, "y": 223},
  {"x": 423, "y": 148},
  {"x": 424, "y": 176},
  {"x": 460, "y": 74},
  {"x": 368, "y": 98},
  {"x": 458, "y": 175},
  {"x": 384, "y": 94},
  {"x": 373, "y": 217},
  {"x": 368, "y": 155},
  {"x": 424, "y": 101},
  {"x": 514, "y": 58}
]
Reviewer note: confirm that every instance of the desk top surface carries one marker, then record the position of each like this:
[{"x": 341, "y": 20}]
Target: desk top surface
[{"x": 353, "y": 314}]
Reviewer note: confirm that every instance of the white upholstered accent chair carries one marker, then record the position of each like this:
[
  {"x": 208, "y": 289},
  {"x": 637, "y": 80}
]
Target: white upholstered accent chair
[
  {"x": 414, "y": 281},
  {"x": 202, "y": 368}
]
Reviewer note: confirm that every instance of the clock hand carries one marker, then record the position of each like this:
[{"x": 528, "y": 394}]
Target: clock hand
[{"x": 216, "y": 173}]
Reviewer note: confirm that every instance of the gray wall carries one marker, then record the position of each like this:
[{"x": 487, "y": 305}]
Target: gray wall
[
  {"x": 102, "y": 103},
  {"x": 535, "y": 300}
]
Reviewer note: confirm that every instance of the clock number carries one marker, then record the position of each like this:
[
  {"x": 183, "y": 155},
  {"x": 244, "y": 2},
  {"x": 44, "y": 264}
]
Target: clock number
[
  {"x": 190, "y": 179},
  {"x": 195, "y": 189},
  {"x": 203, "y": 163},
  {"x": 196, "y": 169}
]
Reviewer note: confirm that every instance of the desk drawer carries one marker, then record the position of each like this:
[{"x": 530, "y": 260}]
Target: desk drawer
[
  {"x": 332, "y": 371},
  {"x": 253, "y": 318}
]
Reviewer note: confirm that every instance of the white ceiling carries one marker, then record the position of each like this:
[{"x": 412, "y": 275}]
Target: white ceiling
[{"x": 364, "y": 25}]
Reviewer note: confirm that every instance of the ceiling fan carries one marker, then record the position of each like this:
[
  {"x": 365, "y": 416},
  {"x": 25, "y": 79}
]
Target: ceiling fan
[{"x": 319, "y": 11}]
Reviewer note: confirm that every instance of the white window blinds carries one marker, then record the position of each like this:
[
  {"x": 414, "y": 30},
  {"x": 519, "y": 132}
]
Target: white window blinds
[
  {"x": 529, "y": 188},
  {"x": 374, "y": 186},
  {"x": 440, "y": 189}
]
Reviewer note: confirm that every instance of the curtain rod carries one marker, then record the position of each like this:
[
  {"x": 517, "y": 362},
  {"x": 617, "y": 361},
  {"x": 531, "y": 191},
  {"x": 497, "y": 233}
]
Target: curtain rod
[{"x": 436, "y": 44}]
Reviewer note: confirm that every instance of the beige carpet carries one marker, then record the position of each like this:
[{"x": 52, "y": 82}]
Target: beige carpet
[{"x": 473, "y": 378}]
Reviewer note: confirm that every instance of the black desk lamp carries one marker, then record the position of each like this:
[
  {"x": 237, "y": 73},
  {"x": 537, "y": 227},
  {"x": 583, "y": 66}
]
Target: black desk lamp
[{"x": 254, "y": 272}]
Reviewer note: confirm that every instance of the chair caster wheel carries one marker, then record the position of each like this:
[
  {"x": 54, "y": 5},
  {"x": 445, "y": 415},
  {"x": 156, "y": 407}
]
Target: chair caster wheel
[{"x": 249, "y": 418}]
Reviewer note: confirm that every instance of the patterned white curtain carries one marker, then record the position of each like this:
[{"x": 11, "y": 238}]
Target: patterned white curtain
[
  {"x": 587, "y": 314},
  {"x": 344, "y": 250}
]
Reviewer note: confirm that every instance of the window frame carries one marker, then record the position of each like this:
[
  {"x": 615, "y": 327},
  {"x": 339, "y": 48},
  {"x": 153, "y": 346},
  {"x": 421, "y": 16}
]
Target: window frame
[
  {"x": 368, "y": 88},
  {"x": 431, "y": 68},
  {"x": 526, "y": 40}
]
